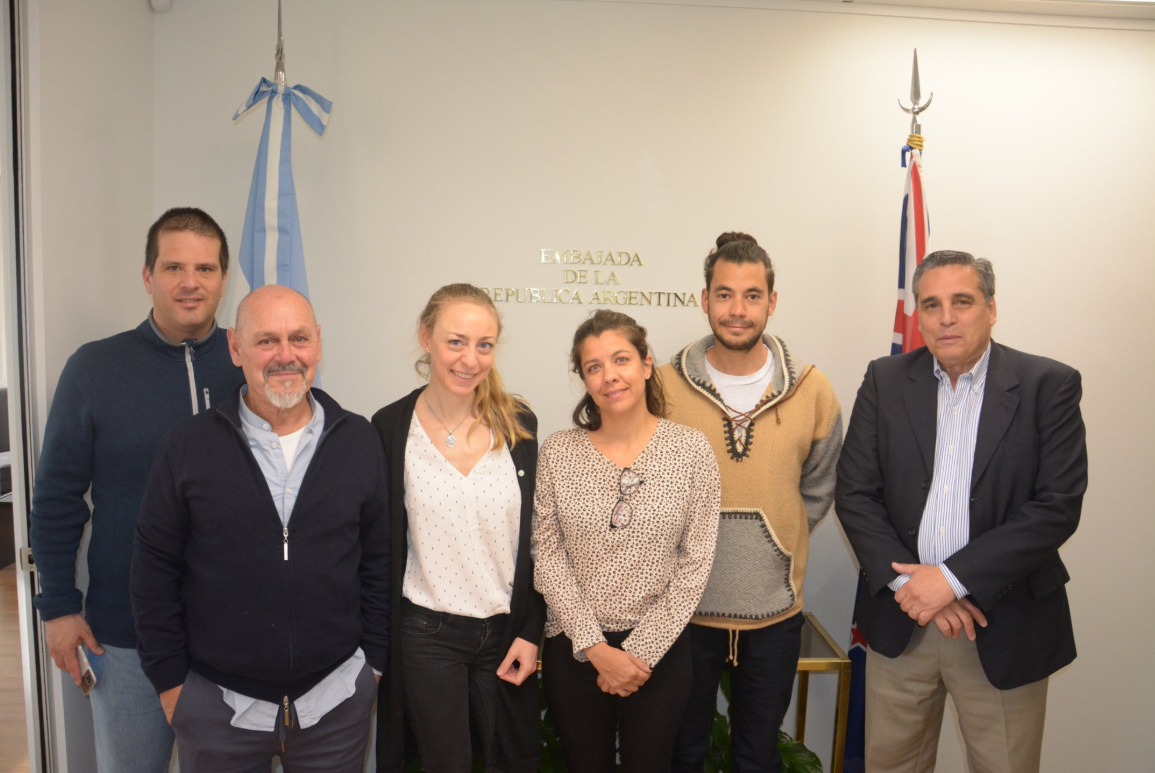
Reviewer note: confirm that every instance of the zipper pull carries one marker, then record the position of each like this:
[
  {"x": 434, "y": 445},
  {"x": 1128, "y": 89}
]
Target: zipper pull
[
  {"x": 286, "y": 722},
  {"x": 206, "y": 390},
  {"x": 192, "y": 382},
  {"x": 285, "y": 534}
]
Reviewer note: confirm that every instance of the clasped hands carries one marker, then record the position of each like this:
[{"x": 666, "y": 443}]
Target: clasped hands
[
  {"x": 619, "y": 672},
  {"x": 927, "y": 596}
]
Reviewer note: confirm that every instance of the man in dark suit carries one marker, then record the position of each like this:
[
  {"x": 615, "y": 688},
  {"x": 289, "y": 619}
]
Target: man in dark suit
[{"x": 962, "y": 474}]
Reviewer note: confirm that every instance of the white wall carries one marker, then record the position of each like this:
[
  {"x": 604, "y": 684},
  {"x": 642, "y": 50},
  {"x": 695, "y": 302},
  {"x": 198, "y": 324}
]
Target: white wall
[
  {"x": 468, "y": 136},
  {"x": 90, "y": 102},
  {"x": 95, "y": 138}
]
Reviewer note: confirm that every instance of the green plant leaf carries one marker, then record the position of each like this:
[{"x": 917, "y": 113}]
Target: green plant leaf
[
  {"x": 796, "y": 758},
  {"x": 726, "y": 687}
]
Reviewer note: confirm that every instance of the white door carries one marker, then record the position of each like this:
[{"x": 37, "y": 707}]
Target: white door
[{"x": 51, "y": 704}]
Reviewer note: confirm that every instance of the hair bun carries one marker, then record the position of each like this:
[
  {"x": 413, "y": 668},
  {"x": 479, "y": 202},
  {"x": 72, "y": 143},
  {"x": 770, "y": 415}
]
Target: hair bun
[{"x": 734, "y": 236}]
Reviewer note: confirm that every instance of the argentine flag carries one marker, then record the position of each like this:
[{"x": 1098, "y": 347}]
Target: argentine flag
[{"x": 271, "y": 251}]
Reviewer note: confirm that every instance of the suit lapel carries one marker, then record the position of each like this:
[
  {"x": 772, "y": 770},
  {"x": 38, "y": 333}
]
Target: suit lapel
[
  {"x": 920, "y": 395},
  {"x": 999, "y": 407}
]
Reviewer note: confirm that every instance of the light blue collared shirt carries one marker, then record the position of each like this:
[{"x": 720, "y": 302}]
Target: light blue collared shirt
[
  {"x": 945, "y": 527},
  {"x": 284, "y": 483},
  {"x": 266, "y": 447}
]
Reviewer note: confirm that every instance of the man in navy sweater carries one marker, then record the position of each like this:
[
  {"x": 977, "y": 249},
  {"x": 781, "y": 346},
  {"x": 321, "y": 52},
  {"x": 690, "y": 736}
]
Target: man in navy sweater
[
  {"x": 260, "y": 579},
  {"x": 115, "y": 400}
]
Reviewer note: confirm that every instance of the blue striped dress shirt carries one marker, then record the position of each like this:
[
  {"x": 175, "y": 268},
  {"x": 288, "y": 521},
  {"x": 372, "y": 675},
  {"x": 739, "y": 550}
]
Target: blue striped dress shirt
[
  {"x": 945, "y": 527},
  {"x": 250, "y": 713}
]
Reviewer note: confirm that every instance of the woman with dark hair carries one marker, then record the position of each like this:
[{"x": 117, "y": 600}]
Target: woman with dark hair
[
  {"x": 626, "y": 516},
  {"x": 465, "y": 619}
]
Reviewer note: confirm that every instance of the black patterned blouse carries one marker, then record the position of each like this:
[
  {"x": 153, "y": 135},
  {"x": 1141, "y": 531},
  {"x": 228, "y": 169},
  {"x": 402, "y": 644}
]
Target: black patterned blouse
[{"x": 648, "y": 573}]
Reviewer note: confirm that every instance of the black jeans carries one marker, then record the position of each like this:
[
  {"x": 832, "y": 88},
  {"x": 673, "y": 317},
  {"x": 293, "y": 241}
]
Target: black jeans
[
  {"x": 449, "y": 671},
  {"x": 760, "y": 686},
  {"x": 594, "y": 726}
]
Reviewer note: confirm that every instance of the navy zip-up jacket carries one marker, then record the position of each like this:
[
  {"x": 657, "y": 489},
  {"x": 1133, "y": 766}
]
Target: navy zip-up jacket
[
  {"x": 220, "y": 588},
  {"x": 115, "y": 400}
]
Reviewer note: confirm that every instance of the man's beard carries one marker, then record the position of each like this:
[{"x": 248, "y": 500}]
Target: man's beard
[
  {"x": 285, "y": 400},
  {"x": 744, "y": 345}
]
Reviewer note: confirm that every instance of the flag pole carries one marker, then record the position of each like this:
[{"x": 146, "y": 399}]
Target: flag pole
[
  {"x": 272, "y": 250},
  {"x": 279, "y": 58},
  {"x": 915, "y": 109},
  {"x": 913, "y": 246},
  {"x": 914, "y": 239}
]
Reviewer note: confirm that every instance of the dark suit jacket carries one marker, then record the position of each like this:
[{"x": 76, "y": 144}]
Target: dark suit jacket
[
  {"x": 1029, "y": 475},
  {"x": 519, "y": 742}
]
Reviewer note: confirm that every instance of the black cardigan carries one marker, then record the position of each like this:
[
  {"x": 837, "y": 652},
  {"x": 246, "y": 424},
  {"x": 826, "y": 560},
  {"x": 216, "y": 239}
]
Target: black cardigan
[
  {"x": 220, "y": 588},
  {"x": 527, "y": 608}
]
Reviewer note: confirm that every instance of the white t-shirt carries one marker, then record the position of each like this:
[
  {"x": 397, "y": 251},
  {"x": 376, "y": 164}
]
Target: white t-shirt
[
  {"x": 289, "y": 445},
  {"x": 742, "y": 393}
]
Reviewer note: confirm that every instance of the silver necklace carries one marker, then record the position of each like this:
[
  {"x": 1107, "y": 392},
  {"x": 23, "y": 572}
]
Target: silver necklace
[{"x": 450, "y": 440}]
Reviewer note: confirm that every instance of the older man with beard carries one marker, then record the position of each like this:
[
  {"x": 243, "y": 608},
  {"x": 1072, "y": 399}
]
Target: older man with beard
[{"x": 260, "y": 581}]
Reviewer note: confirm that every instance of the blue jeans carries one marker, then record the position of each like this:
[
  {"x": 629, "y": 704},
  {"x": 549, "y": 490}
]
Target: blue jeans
[{"x": 132, "y": 735}]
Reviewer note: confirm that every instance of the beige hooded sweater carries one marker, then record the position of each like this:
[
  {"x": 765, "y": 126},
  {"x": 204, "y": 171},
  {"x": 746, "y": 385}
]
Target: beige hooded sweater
[{"x": 777, "y": 482}]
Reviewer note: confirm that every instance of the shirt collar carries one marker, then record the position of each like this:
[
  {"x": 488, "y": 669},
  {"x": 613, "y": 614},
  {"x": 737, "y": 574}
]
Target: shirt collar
[
  {"x": 170, "y": 342},
  {"x": 978, "y": 373},
  {"x": 253, "y": 421}
]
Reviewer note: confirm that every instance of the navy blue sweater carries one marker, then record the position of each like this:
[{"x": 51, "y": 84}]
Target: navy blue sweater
[
  {"x": 218, "y": 588},
  {"x": 115, "y": 400}
]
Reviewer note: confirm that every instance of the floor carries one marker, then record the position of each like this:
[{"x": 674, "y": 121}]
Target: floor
[{"x": 13, "y": 733}]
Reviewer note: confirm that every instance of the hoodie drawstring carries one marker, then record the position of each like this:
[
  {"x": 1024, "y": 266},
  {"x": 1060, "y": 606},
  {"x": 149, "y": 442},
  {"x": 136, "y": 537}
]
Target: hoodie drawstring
[{"x": 733, "y": 658}]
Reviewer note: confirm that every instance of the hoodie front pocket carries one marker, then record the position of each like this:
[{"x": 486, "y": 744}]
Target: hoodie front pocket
[{"x": 753, "y": 574}]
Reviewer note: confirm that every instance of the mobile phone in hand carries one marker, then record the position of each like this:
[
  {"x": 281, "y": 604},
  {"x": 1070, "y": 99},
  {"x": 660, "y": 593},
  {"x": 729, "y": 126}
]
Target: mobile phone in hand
[{"x": 87, "y": 677}]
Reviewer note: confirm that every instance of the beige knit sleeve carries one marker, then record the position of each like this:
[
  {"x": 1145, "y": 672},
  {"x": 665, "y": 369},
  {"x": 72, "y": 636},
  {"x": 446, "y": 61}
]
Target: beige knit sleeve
[{"x": 818, "y": 471}]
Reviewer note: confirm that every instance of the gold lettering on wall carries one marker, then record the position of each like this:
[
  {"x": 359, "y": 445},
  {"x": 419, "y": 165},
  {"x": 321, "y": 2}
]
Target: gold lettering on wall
[
  {"x": 601, "y": 258},
  {"x": 608, "y": 292}
]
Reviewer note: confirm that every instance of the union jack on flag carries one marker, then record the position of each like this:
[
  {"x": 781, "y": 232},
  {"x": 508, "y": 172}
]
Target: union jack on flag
[
  {"x": 854, "y": 756},
  {"x": 913, "y": 246}
]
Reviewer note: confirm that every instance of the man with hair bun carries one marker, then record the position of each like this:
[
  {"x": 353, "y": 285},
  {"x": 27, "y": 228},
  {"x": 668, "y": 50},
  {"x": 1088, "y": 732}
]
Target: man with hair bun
[
  {"x": 962, "y": 474},
  {"x": 776, "y": 428}
]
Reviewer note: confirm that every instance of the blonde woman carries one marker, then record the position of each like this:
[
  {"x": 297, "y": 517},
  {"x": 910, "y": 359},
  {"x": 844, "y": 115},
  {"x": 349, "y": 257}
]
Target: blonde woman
[{"x": 465, "y": 619}]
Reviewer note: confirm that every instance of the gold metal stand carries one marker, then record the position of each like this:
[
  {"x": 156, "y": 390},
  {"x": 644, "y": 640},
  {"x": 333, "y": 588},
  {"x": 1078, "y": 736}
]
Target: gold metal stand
[{"x": 821, "y": 654}]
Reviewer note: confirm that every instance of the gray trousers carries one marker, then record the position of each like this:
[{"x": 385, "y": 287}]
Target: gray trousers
[{"x": 207, "y": 743}]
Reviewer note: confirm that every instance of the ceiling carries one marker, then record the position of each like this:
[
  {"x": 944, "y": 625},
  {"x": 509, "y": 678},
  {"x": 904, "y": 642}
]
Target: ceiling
[{"x": 1111, "y": 9}]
